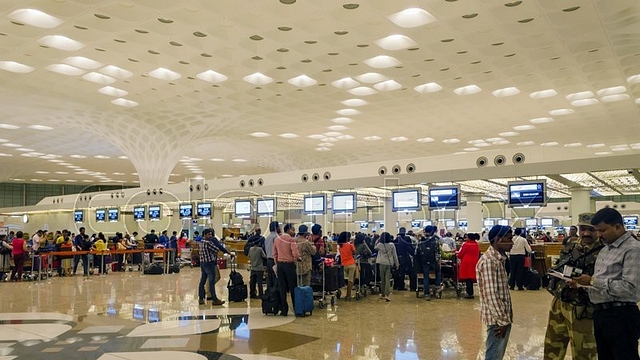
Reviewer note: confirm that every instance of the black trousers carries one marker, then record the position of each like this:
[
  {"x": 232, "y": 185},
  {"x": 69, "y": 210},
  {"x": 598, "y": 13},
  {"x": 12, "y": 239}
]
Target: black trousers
[
  {"x": 617, "y": 330},
  {"x": 516, "y": 276},
  {"x": 469, "y": 285},
  {"x": 287, "y": 282},
  {"x": 271, "y": 275},
  {"x": 405, "y": 268}
]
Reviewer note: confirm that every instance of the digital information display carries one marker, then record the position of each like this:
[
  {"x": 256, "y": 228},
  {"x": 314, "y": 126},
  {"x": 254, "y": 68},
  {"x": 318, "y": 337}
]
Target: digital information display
[
  {"x": 243, "y": 208},
  {"x": 204, "y": 210},
  {"x": 405, "y": 200},
  {"x": 463, "y": 223},
  {"x": 344, "y": 203},
  {"x": 155, "y": 212},
  {"x": 529, "y": 194},
  {"x": 630, "y": 220},
  {"x": 186, "y": 211},
  {"x": 101, "y": 215},
  {"x": 315, "y": 204},
  {"x": 531, "y": 222},
  {"x": 546, "y": 222},
  {"x": 78, "y": 216},
  {"x": 114, "y": 214},
  {"x": 444, "y": 198},
  {"x": 266, "y": 207},
  {"x": 139, "y": 213}
]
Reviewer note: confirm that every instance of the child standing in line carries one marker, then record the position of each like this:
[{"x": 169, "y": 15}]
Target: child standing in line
[{"x": 256, "y": 257}]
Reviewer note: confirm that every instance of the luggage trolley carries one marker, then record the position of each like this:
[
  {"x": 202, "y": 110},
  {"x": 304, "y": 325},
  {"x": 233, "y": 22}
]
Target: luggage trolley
[
  {"x": 450, "y": 280},
  {"x": 363, "y": 278},
  {"x": 324, "y": 282}
]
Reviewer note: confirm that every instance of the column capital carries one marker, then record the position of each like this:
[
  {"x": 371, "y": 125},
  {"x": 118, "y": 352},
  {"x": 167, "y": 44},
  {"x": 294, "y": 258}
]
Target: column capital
[{"x": 580, "y": 188}]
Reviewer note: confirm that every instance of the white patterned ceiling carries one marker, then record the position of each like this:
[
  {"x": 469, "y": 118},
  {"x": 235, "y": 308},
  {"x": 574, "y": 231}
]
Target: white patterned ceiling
[{"x": 174, "y": 91}]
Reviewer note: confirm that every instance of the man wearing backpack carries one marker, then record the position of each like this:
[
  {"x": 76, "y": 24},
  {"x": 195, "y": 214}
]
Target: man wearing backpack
[
  {"x": 256, "y": 237},
  {"x": 428, "y": 259}
]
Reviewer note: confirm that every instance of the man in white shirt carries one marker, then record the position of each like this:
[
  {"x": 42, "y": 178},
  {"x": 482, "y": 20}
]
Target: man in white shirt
[
  {"x": 35, "y": 240},
  {"x": 519, "y": 251},
  {"x": 449, "y": 242}
]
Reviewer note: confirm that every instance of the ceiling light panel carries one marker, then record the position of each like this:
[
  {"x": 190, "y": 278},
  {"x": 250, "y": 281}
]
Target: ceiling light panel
[
  {"x": 302, "y": 81},
  {"x": 82, "y": 62},
  {"x": 584, "y": 102},
  {"x": 98, "y": 78},
  {"x": 288, "y": 136},
  {"x": 508, "y": 91},
  {"x": 15, "y": 67},
  {"x": 382, "y": 62},
  {"x": 543, "y": 94},
  {"x": 257, "y": 79},
  {"x": 110, "y": 90},
  {"x": 212, "y": 76},
  {"x": 523, "y": 127},
  {"x": 116, "y": 72},
  {"x": 40, "y": 127},
  {"x": 348, "y": 112},
  {"x": 541, "y": 120},
  {"x": 354, "y": 102},
  {"x": 372, "y": 138},
  {"x": 389, "y": 85},
  {"x": 396, "y": 42},
  {"x": 559, "y": 112},
  {"x": 579, "y": 95},
  {"x": 371, "y": 78},
  {"x": 428, "y": 88},
  {"x": 345, "y": 83},
  {"x": 260, "y": 134},
  {"x": 35, "y": 18},
  {"x": 164, "y": 74},
  {"x": 61, "y": 42},
  {"x": 412, "y": 17},
  {"x": 337, "y": 128},
  {"x": 615, "y": 97},
  {"x": 363, "y": 91},
  {"x": 9, "y": 126},
  {"x": 65, "y": 69},
  {"x": 124, "y": 102},
  {"x": 467, "y": 90},
  {"x": 611, "y": 91}
]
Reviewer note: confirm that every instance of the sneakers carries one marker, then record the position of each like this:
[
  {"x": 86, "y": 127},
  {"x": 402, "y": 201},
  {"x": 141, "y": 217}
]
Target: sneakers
[
  {"x": 201, "y": 301},
  {"x": 217, "y": 302},
  {"x": 427, "y": 297}
]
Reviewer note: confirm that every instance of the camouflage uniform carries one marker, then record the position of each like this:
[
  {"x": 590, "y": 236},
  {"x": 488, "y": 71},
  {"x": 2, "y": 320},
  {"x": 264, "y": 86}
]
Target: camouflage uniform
[{"x": 571, "y": 314}]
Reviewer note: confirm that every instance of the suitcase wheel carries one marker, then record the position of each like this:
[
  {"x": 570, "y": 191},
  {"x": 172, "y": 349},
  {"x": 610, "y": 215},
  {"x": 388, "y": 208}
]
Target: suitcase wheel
[{"x": 321, "y": 304}]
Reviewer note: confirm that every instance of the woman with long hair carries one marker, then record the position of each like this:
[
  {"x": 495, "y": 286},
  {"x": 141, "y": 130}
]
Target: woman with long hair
[{"x": 387, "y": 260}]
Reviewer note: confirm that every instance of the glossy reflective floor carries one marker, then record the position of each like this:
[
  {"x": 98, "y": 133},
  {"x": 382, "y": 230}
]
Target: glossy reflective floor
[{"x": 114, "y": 317}]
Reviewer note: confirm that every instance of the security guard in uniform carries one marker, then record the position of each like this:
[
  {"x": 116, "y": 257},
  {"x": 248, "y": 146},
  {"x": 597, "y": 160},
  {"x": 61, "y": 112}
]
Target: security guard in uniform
[{"x": 571, "y": 314}]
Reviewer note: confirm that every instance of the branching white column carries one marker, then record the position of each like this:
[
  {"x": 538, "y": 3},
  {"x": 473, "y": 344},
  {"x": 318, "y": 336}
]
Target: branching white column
[
  {"x": 580, "y": 202},
  {"x": 474, "y": 213}
]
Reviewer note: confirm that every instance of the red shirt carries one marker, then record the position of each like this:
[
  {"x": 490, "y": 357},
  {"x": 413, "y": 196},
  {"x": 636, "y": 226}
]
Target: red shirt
[
  {"x": 18, "y": 245},
  {"x": 346, "y": 254}
]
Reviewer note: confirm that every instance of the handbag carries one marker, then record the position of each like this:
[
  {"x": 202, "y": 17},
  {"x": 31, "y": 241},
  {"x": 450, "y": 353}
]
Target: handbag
[{"x": 527, "y": 261}]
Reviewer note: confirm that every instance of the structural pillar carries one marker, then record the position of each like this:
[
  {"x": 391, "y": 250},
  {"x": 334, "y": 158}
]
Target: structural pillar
[
  {"x": 474, "y": 213},
  {"x": 390, "y": 218},
  {"x": 216, "y": 221},
  {"x": 581, "y": 202}
]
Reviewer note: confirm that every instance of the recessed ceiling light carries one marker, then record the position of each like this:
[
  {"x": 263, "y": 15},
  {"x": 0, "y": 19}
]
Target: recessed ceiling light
[
  {"x": 35, "y": 18},
  {"x": 471, "y": 149},
  {"x": 611, "y": 91},
  {"x": 259, "y": 134},
  {"x": 98, "y": 78},
  {"x": 257, "y": 79},
  {"x": 329, "y": 139},
  {"x": 425, "y": 140},
  {"x": 65, "y": 69},
  {"x": 477, "y": 141},
  {"x": 116, "y": 72},
  {"x": 5, "y": 155},
  {"x": 525, "y": 143},
  {"x": 348, "y": 112},
  {"x": 399, "y": 138},
  {"x": 550, "y": 143},
  {"x": 41, "y": 172},
  {"x": 25, "y": 149},
  {"x": 327, "y": 144},
  {"x": 62, "y": 172},
  {"x": 634, "y": 79},
  {"x": 345, "y": 137},
  {"x": 12, "y": 145},
  {"x": 110, "y": 90},
  {"x": 637, "y": 101},
  {"x": 123, "y": 157},
  {"x": 428, "y": 88},
  {"x": 302, "y": 81},
  {"x": 354, "y": 102},
  {"x": 494, "y": 140},
  {"x": 603, "y": 153},
  {"x": 467, "y": 90},
  {"x": 56, "y": 161},
  {"x": 73, "y": 167},
  {"x": 543, "y": 94},
  {"x": 288, "y": 136},
  {"x": 372, "y": 138},
  {"x": 451, "y": 141},
  {"x": 337, "y": 128},
  {"x": 396, "y": 42},
  {"x": 124, "y": 102},
  {"x": 102, "y": 157},
  {"x": 615, "y": 97},
  {"x": 322, "y": 149},
  {"x": 164, "y": 74},
  {"x": 363, "y": 91},
  {"x": 82, "y": 62},
  {"x": 484, "y": 144},
  {"x": 524, "y": 127},
  {"x": 9, "y": 126},
  {"x": 239, "y": 160},
  {"x": 316, "y": 136},
  {"x": 508, "y": 91},
  {"x": 15, "y": 67},
  {"x": 40, "y": 127},
  {"x": 389, "y": 85},
  {"x": 342, "y": 120},
  {"x": 3, "y": 140},
  {"x": 382, "y": 62},
  {"x": 332, "y": 133},
  {"x": 541, "y": 120},
  {"x": 371, "y": 78},
  {"x": 509, "y": 133},
  {"x": 345, "y": 83},
  {"x": 558, "y": 112},
  {"x": 78, "y": 156},
  {"x": 61, "y": 42},
  {"x": 584, "y": 102},
  {"x": 212, "y": 76},
  {"x": 579, "y": 95},
  {"x": 36, "y": 180},
  {"x": 412, "y": 17},
  {"x": 501, "y": 142}
]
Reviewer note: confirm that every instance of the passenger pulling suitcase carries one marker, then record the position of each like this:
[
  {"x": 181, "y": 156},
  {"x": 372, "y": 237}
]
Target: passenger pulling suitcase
[{"x": 303, "y": 302}]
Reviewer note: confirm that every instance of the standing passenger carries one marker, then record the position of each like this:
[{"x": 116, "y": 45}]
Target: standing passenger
[
  {"x": 519, "y": 251},
  {"x": 19, "y": 254},
  {"x": 347, "y": 251},
  {"x": 274, "y": 231},
  {"x": 285, "y": 255},
  {"x": 468, "y": 255},
  {"x": 306, "y": 250},
  {"x": 387, "y": 260}
]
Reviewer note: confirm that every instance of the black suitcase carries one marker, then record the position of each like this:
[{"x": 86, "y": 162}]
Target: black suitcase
[
  {"x": 532, "y": 279},
  {"x": 237, "y": 292},
  {"x": 154, "y": 269},
  {"x": 136, "y": 258},
  {"x": 174, "y": 269},
  {"x": 271, "y": 301}
]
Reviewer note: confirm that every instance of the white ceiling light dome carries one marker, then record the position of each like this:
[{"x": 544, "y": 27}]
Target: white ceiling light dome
[
  {"x": 98, "y": 78},
  {"x": 382, "y": 62},
  {"x": 428, "y": 88},
  {"x": 302, "y": 81},
  {"x": 212, "y": 76},
  {"x": 467, "y": 90},
  {"x": 124, "y": 102},
  {"x": 16, "y": 67},
  {"x": 543, "y": 94},
  {"x": 345, "y": 83},
  {"x": 559, "y": 112},
  {"x": 164, "y": 74},
  {"x": 61, "y": 42},
  {"x": 257, "y": 79},
  {"x": 342, "y": 120},
  {"x": 82, "y": 62},
  {"x": 508, "y": 91},
  {"x": 110, "y": 90},
  {"x": 579, "y": 95},
  {"x": 348, "y": 112},
  {"x": 412, "y": 17},
  {"x": 354, "y": 102},
  {"x": 65, "y": 69},
  {"x": 363, "y": 91},
  {"x": 35, "y": 18},
  {"x": 371, "y": 78},
  {"x": 389, "y": 85},
  {"x": 396, "y": 42},
  {"x": 611, "y": 91},
  {"x": 116, "y": 72}
]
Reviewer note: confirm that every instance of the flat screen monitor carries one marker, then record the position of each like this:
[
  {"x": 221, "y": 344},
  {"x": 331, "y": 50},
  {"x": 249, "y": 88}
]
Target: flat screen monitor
[
  {"x": 444, "y": 198},
  {"x": 450, "y": 224},
  {"x": 78, "y": 216},
  {"x": 381, "y": 225},
  {"x": 114, "y": 214},
  {"x": 243, "y": 208},
  {"x": 139, "y": 213},
  {"x": 344, "y": 203},
  {"x": 101, "y": 215},
  {"x": 204, "y": 210},
  {"x": 463, "y": 223},
  {"x": 406, "y": 200},
  {"x": 416, "y": 224},
  {"x": 364, "y": 225},
  {"x": 266, "y": 207},
  {"x": 527, "y": 193},
  {"x": 488, "y": 222},
  {"x": 315, "y": 204},
  {"x": 503, "y": 222},
  {"x": 186, "y": 211},
  {"x": 630, "y": 220},
  {"x": 546, "y": 222},
  {"x": 427, "y": 223},
  {"x": 155, "y": 212},
  {"x": 531, "y": 222}
]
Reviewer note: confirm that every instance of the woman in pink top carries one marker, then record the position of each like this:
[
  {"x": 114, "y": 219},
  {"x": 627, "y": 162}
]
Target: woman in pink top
[
  {"x": 19, "y": 255},
  {"x": 347, "y": 250}
]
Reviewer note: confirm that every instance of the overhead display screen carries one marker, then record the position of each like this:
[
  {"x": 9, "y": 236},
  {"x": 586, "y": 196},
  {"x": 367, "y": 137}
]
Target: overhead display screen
[
  {"x": 114, "y": 214},
  {"x": 186, "y": 211},
  {"x": 546, "y": 222},
  {"x": 266, "y": 207},
  {"x": 630, "y": 220},
  {"x": 444, "y": 198},
  {"x": 405, "y": 200},
  {"x": 204, "y": 210},
  {"x": 139, "y": 213},
  {"x": 155, "y": 212},
  {"x": 344, "y": 202},
  {"x": 315, "y": 204},
  {"x": 78, "y": 216},
  {"x": 243, "y": 208},
  {"x": 527, "y": 194},
  {"x": 531, "y": 222},
  {"x": 101, "y": 215}
]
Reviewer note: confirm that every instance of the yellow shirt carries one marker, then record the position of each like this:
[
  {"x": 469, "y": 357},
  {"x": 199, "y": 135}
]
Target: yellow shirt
[
  {"x": 60, "y": 240},
  {"x": 100, "y": 245}
]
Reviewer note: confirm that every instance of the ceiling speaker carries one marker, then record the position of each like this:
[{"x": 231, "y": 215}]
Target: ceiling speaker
[
  {"x": 304, "y": 178},
  {"x": 482, "y": 161},
  {"x": 315, "y": 176},
  {"x": 326, "y": 175},
  {"x": 206, "y": 186},
  {"x": 242, "y": 183},
  {"x": 260, "y": 182},
  {"x": 518, "y": 158},
  {"x": 382, "y": 170},
  {"x": 250, "y": 182},
  {"x": 198, "y": 187},
  {"x": 155, "y": 191},
  {"x": 615, "y": 206},
  {"x": 410, "y": 168},
  {"x": 396, "y": 169},
  {"x": 623, "y": 206},
  {"x": 190, "y": 187},
  {"x": 160, "y": 191},
  {"x": 499, "y": 160}
]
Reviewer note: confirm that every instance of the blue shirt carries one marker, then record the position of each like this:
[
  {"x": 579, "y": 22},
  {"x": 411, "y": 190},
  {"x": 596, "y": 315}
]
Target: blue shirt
[
  {"x": 163, "y": 240},
  {"x": 617, "y": 275}
]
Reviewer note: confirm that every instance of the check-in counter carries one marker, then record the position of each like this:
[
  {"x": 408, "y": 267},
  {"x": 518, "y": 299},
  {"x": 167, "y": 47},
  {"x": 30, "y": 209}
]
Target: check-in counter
[
  {"x": 545, "y": 254},
  {"x": 238, "y": 247}
]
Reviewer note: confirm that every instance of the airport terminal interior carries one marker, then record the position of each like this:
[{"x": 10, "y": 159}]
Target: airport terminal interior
[{"x": 127, "y": 115}]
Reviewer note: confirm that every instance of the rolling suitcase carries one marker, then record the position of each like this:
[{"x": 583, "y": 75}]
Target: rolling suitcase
[
  {"x": 303, "y": 302},
  {"x": 532, "y": 279},
  {"x": 271, "y": 301},
  {"x": 174, "y": 269},
  {"x": 154, "y": 269},
  {"x": 236, "y": 286}
]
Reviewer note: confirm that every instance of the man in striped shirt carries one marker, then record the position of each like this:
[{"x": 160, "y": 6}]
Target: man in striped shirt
[{"x": 495, "y": 302}]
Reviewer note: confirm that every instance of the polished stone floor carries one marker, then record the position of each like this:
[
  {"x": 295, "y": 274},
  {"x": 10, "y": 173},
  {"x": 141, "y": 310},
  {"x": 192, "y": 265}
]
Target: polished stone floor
[{"x": 139, "y": 317}]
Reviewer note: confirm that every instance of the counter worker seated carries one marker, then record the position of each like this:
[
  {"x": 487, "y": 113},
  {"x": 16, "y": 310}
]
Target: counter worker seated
[
  {"x": 571, "y": 313},
  {"x": 615, "y": 288}
]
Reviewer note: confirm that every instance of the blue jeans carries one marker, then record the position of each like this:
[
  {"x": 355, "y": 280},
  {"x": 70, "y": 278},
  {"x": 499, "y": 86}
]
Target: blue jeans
[
  {"x": 496, "y": 347},
  {"x": 207, "y": 271},
  {"x": 426, "y": 269}
]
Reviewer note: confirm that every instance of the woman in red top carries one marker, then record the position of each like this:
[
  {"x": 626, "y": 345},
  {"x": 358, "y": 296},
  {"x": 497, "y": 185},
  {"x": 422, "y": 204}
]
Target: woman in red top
[
  {"x": 19, "y": 255},
  {"x": 346, "y": 259},
  {"x": 469, "y": 254}
]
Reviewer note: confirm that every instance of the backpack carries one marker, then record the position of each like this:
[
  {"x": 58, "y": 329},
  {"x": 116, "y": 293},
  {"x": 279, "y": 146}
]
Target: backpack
[
  {"x": 235, "y": 278},
  {"x": 428, "y": 250}
]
